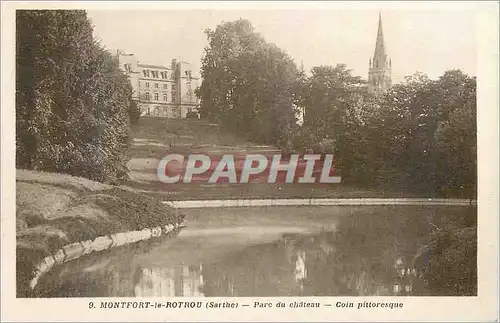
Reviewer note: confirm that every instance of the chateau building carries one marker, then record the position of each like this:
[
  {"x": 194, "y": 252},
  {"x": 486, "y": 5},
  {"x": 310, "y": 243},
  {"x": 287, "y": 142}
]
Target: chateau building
[
  {"x": 161, "y": 91},
  {"x": 379, "y": 71}
]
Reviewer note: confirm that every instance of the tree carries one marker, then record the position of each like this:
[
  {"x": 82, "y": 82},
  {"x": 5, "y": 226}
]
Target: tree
[
  {"x": 456, "y": 136},
  {"x": 426, "y": 134},
  {"x": 248, "y": 84},
  {"x": 333, "y": 101},
  {"x": 407, "y": 123},
  {"x": 72, "y": 101},
  {"x": 420, "y": 135}
]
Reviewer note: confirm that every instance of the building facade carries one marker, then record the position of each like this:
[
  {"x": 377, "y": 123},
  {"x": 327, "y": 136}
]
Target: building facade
[
  {"x": 379, "y": 69},
  {"x": 161, "y": 91}
]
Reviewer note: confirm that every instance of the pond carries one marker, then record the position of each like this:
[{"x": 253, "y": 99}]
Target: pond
[{"x": 361, "y": 254}]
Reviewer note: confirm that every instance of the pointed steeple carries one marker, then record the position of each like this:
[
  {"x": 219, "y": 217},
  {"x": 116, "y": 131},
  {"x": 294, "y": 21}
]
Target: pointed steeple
[
  {"x": 379, "y": 71},
  {"x": 379, "y": 57}
]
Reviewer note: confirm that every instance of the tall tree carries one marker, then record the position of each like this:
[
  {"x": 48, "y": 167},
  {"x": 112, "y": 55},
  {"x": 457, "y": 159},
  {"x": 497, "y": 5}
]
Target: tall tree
[
  {"x": 72, "y": 101},
  {"x": 248, "y": 84},
  {"x": 456, "y": 134},
  {"x": 332, "y": 99},
  {"x": 421, "y": 134},
  {"x": 426, "y": 134}
]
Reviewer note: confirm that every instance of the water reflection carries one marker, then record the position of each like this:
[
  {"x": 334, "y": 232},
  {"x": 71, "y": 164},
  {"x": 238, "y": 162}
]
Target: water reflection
[
  {"x": 173, "y": 281},
  {"x": 325, "y": 264},
  {"x": 296, "y": 265}
]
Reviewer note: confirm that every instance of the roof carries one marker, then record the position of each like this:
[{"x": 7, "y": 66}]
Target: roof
[
  {"x": 379, "y": 54},
  {"x": 154, "y": 66}
]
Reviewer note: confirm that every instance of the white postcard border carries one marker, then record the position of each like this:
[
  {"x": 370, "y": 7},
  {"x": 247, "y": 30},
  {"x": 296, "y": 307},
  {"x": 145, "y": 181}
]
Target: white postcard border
[{"x": 481, "y": 308}]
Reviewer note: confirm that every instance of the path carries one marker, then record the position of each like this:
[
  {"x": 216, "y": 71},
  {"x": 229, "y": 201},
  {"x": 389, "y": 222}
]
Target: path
[{"x": 318, "y": 202}]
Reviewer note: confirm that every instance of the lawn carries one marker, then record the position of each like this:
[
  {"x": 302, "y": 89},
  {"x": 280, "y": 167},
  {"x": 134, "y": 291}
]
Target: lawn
[
  {"x": 54, "y": 210},
  {"x": 154, "y": 137}
]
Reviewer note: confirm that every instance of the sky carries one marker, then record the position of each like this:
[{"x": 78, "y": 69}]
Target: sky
[{"x": 430, "y": 41}]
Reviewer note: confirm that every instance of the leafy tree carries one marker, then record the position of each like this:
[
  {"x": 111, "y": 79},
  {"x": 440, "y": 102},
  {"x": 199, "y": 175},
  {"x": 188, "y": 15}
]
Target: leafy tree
[
  {"x": 421, "y": 134},
  {"x": 426, "y": 135},
  {"x": 72, "y": 101},
  {"x": 407, "y": 120},
  {"x": 248, "y": 84},
  {"x": 333, "y": 101},
  {"x": 456, "y": 137}
]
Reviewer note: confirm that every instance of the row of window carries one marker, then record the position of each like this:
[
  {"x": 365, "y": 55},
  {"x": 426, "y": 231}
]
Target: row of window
[
  {"x": 165, "y": 111},
  {"x": 155, "y": 74},
  {"x": 156, "y": 97},
  {"x": 157, "y": 111},
  {"x": 165, "y": 86}
]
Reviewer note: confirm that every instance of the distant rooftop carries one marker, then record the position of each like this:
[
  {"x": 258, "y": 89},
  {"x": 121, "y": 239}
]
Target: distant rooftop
[{"x": 153, "y": 66}]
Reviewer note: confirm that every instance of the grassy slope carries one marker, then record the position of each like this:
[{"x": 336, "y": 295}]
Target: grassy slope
[
  {"x": 154, "y": 137},
  {"x": 53, "y": 210}
]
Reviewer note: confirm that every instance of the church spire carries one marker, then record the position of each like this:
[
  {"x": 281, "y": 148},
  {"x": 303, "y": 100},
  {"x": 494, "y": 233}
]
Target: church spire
[
  {"x": 379, "y": 69},
  {"x": 379, "y": 57}
]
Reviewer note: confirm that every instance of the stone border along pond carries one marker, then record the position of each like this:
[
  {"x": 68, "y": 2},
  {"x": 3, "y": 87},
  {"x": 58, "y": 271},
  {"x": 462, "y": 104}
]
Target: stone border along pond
[{"x": 76, "y": 250}]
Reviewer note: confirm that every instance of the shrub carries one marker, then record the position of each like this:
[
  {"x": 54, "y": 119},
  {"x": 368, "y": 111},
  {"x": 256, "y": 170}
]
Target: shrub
[
  {"x": 134, "y": 112},
  {"x": 192, "y": 115}
]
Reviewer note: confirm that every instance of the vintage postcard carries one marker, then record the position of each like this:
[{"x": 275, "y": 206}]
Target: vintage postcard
[{"x": 250, "y": 161}]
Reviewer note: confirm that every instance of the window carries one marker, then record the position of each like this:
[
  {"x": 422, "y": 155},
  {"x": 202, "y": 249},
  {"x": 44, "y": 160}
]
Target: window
[
  {"x": 147, "y": 84},
  {"x": 156, "y": 85},
  {"x": 156, "y": 74},
  {"x": 147, "y": 96},
  {"x": 149, "y": 111},
  {"x": 145, "y": 73},
  {"x": 165, "y": 86},
  {"x": 164, "y": 97},
  {"x": 156, "y": 96}
]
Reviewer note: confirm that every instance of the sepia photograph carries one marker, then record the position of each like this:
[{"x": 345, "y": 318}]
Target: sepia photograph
[{"x": 207, "y": 156}]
